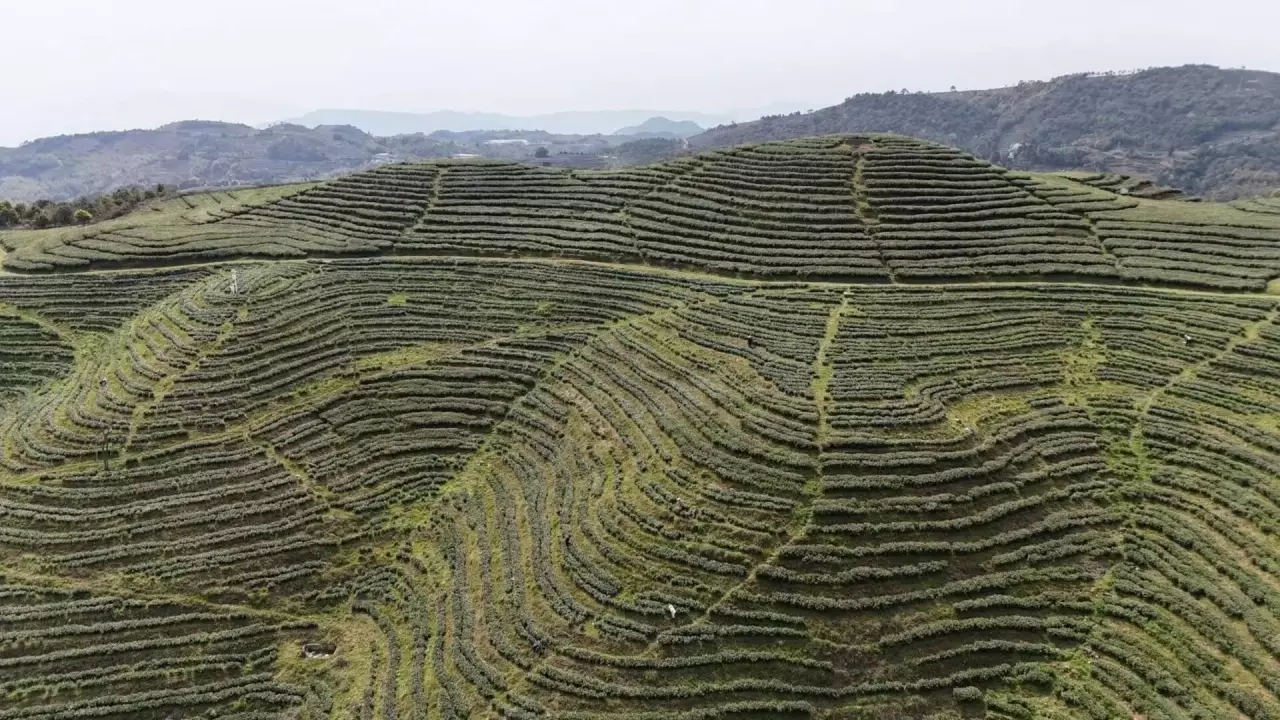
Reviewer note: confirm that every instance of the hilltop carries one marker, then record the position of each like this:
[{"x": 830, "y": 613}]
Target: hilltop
[
  {"x": 660, "y": 127},
  {"x": 1207, "y": 130},
  {"x": 855, "y": 426}
]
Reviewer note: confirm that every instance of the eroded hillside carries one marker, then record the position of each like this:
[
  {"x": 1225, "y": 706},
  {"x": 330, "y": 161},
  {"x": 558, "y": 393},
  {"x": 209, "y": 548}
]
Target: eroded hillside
[{"x": 849, "y": 427}]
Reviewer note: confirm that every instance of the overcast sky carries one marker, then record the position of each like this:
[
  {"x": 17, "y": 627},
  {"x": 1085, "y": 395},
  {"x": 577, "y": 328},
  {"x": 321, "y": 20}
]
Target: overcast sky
[{"x": 84, "y": 65}]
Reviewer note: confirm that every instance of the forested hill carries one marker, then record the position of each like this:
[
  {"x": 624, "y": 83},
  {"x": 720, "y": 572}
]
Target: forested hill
[{"x": 1209, "y": 131}]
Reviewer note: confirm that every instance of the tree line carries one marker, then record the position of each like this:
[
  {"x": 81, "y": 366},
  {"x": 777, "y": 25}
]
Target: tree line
[{"x": 81, "y": 211}]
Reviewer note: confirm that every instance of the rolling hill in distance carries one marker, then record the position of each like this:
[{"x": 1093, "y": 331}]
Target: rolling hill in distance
[
  {"x": 1209, "y": 131},
  {"x": 198, "y": 154},
  {"x": 851, "y": 426},
  {"x": 661, "y": 127},
  {"x": 1205, "y": 130}
]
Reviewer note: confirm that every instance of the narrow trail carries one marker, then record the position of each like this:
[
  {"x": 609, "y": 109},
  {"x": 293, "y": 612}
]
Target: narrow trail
[
  {"x": 166, "y": 384},
  {"x": 1247, "y": 333},
  {"x": 624, "y": 211},
  {"x": 318, "y": 493},
  {"x": 1137, "y": 434},
  {"x": 486, "y": 446},
  {"x": 1097, "y": 239},
  {"x": 866, "y": 212},
  {"x": 1091, "y": 229},
  {"x": 823, "y": 372},
  {"x": 433, "y": 197},
  {"x": 803, "y": 517}
]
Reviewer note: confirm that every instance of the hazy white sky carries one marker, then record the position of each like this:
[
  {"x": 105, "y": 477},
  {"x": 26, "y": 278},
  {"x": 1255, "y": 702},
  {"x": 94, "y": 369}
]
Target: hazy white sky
[{"x": 83, "y": 65}]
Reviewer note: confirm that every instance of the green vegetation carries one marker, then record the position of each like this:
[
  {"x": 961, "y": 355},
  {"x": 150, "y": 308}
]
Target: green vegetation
[
  {"x": 46, "y": 213},
  {"x": 867, "y": 208},
  {"x": 837, "y": 428}
]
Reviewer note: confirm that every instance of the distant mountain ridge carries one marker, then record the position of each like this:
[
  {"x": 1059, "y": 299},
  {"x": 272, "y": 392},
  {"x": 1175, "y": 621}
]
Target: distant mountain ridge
[
  {"x": 1210, "y": 131},
  {"x": 190, "y": 154},
  {"x": 575, "y": 122},
  {"x": 209, "y": 154},
  {"x": 205, "y": 154}
]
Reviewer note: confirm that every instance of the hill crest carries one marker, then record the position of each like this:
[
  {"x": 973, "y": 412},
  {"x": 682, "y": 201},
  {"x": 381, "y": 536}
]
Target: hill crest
[
  {"x": 874, "y": 208},
  {"x": 661, "y": 127}
]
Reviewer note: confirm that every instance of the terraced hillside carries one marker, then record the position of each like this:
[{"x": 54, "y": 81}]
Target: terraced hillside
[
  {"x": 871, "y": 209},
  {"x": 840, "y": 428}
]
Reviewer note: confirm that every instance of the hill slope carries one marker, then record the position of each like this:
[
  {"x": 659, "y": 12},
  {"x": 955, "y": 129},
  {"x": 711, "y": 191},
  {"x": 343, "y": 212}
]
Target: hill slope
[
  {"x": 419, "y": 451},
  {"x": 660, "y": 127},
  {"x": 1210, "y": 131}
]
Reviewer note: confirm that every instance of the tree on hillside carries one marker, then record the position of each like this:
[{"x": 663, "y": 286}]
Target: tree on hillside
[
  {"x": 541, "y": 153},
  {"x": 81, "y": 211}
]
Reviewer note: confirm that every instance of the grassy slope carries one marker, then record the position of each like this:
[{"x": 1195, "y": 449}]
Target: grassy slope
[
  {"x": 187, "y": 210},
  {"x": 485, "y": 479}
]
